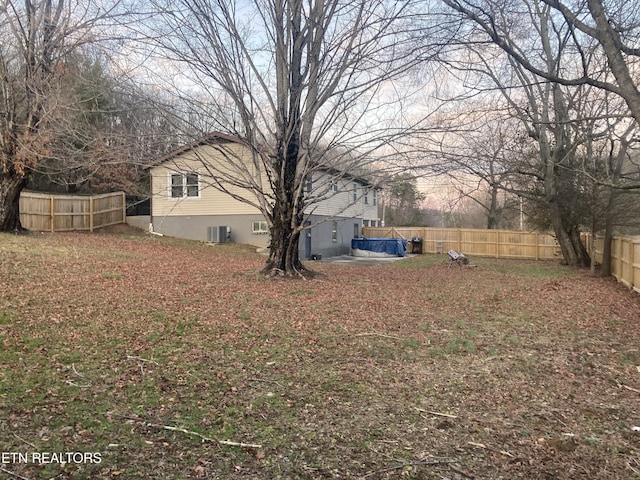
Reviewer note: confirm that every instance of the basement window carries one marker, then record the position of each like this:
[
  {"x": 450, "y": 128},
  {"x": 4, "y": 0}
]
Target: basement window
[{"x": 259, "y": 228}]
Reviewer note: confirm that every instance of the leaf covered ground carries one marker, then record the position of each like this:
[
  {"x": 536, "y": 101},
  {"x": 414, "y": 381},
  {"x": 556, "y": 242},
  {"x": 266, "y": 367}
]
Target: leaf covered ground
[{"x": 149, "y": 353}]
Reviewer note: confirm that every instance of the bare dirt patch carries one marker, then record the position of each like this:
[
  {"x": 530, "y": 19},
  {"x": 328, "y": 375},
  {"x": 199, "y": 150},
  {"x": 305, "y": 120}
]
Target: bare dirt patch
[{"x": 415, "y": 369}]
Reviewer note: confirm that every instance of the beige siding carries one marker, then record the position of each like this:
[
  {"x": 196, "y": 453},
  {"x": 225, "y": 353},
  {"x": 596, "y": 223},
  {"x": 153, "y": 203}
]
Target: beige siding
[{"x": 211, "y": 201}]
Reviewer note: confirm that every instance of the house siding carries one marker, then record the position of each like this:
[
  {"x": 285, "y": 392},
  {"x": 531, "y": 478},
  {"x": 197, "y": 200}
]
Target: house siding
[
  {"x": 210, "y": 200},
  {"x": 194, "y": 227},
  {"x": 190, "y": 217},
  {"x": 322, "y": 236}
]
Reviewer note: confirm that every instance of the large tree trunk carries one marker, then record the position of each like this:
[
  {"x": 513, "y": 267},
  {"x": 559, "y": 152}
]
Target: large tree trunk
[
  {"x": 10, "y": 188},
  {"x": 568, "y": 236},
  {"x": 493, "y": 218},
  {"x": 284, "y": 259},
  {"x": 606, "y": 268}
]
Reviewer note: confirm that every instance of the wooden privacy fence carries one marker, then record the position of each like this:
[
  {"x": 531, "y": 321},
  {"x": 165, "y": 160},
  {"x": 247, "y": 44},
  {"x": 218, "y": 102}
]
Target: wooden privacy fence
[
  {"x": 625, "y": 259},
  {"x": 64, "y": 213},
  {"x": 625, "y": 251},
  {"x": 483, "y": 243}
]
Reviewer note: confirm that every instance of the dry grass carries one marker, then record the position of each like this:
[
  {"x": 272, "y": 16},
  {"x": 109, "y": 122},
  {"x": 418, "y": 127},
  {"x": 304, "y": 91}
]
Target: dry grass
[{"x": 414, "y": 370}]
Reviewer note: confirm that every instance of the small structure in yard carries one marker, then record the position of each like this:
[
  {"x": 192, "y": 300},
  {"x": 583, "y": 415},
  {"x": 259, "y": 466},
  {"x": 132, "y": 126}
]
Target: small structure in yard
[{"x": 459, "y": 258}]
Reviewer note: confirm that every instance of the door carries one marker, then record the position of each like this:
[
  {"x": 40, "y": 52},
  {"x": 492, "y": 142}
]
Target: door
[{"x": 307, "y": 241}]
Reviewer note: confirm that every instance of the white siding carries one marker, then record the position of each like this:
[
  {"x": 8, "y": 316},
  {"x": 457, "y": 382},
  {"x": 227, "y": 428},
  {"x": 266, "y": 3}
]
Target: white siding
[{"x": 340, "y": 203}]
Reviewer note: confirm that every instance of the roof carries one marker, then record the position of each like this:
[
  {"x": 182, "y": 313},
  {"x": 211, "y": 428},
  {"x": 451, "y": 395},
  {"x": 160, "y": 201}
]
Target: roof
[
  {"x": 219, "y": 137},
  {"x": 214, "y": 137}
]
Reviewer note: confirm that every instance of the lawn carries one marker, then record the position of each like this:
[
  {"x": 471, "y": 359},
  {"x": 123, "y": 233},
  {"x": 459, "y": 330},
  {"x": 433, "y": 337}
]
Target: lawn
[{"x": 137, "y": 357}]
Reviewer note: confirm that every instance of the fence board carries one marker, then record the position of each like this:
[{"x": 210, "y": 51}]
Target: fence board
[
  {"x": 64, "y": 213},
  {"x": 625, "y": 251},
  {"x": 625, "y": 259},
  {"x": 483, "y": 243}
]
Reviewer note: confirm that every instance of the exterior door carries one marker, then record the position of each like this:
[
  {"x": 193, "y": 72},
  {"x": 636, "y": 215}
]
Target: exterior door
[{"x": 307, "y": 241}]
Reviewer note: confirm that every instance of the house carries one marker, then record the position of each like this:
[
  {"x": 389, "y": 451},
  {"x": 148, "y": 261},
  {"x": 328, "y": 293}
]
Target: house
[{"x": 194, "y": 194}]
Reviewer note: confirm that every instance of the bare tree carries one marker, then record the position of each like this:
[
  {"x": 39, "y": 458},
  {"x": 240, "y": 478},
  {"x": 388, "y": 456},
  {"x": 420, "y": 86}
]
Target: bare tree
[
  {"x": 477, "y": 150},
  {"x": 36, "y": 40},
  {"x": 305, "y": 84},
  {"x": 588, "y": 24},
  {"x": 541, "y": 47},
  {"x": 107, "y": 129}
]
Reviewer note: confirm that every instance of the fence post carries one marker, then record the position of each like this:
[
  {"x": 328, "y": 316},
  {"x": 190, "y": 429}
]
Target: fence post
[
  {"x": 636, "y": 286},
  {"x": 620, "y": 258},
  {"x": 52, "y": 213},
  {"x": 497, "y": 243},
  {"x": 91, "y": 214},
  {"x": 459, "y": 240},
  {"x": 631, "y": 262},
  {"x": 124, "y": 207},
  {"x": 537, "y": 246}
]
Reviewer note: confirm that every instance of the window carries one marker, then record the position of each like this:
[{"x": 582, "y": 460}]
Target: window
[
  {"x": 355, "y": 192},
  {"x": 365, "y": 223},
  {"x": 333, "y": 186},
  {"x": 259, "y": 228},
  {"x": 334, "y": 231},
  {"x": 185, "y": 185},
  {"x": 375, "y": 197},
  {"x": 308, "y": 184},
  {"x": 366, "y": 197}
]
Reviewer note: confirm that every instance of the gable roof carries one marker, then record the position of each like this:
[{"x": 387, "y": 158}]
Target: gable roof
[
  {"x": 211, "y": 138},
  {"x": 219, "y": 137}
]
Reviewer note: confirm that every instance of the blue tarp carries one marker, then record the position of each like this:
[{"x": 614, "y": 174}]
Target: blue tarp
[{"x": 391, "y": 246}]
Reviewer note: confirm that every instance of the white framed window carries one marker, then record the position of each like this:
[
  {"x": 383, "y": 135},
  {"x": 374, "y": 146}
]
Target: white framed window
[
  {"x": 355, "y": 192},
  {"x": 184, "y": 185},
  {"x": 334, "y": 231},
  {"x": 366, "y": 196},
  {"x": 333, "y": 186},
  {"x": 375, "y": 197},
  {"x": 259, "y": 227},
  {"x": 308, "y": 184}
]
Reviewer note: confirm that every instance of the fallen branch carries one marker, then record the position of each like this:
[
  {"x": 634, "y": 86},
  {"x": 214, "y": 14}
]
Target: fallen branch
[
  {"x": 437, "y": 414},
  {"x": 374, "y": 334},
  {"x": 13, "y": 474},
  {"x": 23, "y": 440},
  {"x": 437, "y": 461},
  {"x": 191, "y": 432},
  {"x": 73, "y": 384},
  {"x": 461, "y": 472},
  {"x": 199, "y": 435},
  {"x": 266, "y": 381},
  {"x": 629, "y": 388},
  {"x": 133, "y": 357},
  {"x": 73, "y": 367},
  {"x": 141, "y": 361},
  {"x": 486, "y": 447}
]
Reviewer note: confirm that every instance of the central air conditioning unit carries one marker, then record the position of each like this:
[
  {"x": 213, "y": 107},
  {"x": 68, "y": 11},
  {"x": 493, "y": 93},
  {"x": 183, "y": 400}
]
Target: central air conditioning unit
[{"x": 217, "y": 234}]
